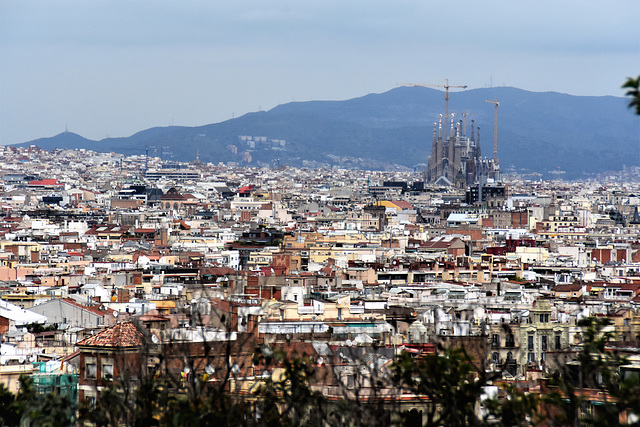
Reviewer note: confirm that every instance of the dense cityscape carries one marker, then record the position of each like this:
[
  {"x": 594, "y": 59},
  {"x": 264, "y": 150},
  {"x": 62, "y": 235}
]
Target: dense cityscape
[
  {"x": 319, "y": 214},
  {"x": 115, "y": 268}
]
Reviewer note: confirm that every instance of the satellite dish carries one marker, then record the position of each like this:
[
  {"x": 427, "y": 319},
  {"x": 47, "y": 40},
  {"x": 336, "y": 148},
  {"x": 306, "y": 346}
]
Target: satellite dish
[
  {"x": 115, "y": 314},
  {"x": 349, "y": 343},
  {"x": 320, "y": 360},
  {"x": 209, "y": 369}
]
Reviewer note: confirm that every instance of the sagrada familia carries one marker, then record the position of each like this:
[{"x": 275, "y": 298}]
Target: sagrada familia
[{"x": 455, "y": 158}]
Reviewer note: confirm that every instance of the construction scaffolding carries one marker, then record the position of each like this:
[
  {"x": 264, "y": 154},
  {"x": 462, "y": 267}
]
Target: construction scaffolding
[{"x": 63, "y": 384}]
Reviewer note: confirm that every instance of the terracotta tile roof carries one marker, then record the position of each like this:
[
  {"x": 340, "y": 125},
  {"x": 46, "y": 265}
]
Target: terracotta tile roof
[
  {"x": 172, "y": 194},
  {"x": 121, "y": 335},
  {"x": 46, "y": 182},
  {"x": 145, "y": 230},
  {"x": 573, "y": 287},
  {"x": 95, "y": 309},
  {"x": 217, "y": 271},
  {"x": 246, "y": 189},
  {"x": 402, "y": 204}
]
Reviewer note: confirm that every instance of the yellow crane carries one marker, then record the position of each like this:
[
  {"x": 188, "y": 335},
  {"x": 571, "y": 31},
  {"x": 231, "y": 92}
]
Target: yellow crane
[
  {"x": 495, "y": 130},
  {"x": 446, "y": 87}
]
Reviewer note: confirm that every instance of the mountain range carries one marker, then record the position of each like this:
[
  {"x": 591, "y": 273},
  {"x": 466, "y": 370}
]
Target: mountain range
[{"x": 545, "y": 133}]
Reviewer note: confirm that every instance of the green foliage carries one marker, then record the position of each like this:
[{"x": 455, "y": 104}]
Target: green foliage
[
  {"x": 450, "y": 389},
  {"x": 598, "y": 370},
  {"x": 31, "y": 409},
  {"x": 139, "y": 406},
  {"x": 634, "y": 93},
  {"x": 517, "y": 409},
  {"x": 10, "y": 408},
  {"x": 286, "y": 399},
  {"x": 36, "y": 328},
  {"x": 451, "y": 383}
]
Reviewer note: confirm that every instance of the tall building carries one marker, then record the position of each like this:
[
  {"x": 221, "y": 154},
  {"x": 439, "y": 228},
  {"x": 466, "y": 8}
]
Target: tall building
[{"x": 456, "y": 158}]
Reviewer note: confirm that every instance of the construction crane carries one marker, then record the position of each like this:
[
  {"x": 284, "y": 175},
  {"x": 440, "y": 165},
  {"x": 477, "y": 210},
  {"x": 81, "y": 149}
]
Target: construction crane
[
  {"x": 446, "y": 98},
  {"x": 495, "y": 129}
]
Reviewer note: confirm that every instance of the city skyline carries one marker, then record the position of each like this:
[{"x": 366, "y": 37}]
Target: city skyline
[{"x": 114, "y": 69}]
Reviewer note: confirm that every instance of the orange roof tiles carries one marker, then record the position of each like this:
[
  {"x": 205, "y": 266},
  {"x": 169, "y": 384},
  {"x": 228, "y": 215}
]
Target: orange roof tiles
[
  {"x": 47, "y": 181},
  {"x": 95, "y": 309},
  {"x": 121, "y": 335},
  {"x": 402, "y": 204}
]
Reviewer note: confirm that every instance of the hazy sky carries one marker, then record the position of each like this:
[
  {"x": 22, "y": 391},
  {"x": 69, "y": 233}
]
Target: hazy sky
[{"x": 112, "y": 68}]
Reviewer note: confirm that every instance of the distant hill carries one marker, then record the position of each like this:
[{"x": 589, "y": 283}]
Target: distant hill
[{"x": 537, "y": 132}]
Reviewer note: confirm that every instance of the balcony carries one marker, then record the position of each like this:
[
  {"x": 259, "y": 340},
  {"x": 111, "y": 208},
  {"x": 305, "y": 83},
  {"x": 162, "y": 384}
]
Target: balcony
[
  {"x": 309, "y": 309},
  {"x": 356, "y": 309}
]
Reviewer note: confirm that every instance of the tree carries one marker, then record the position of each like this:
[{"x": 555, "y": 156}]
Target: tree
[
  {"x": 450, "y": 388},
  {"x": 287, "y": 399},
  {"x": 633, "y": 86},
  {"x": 10, "y": 408},
  {"x": 518, "y": 408},
  {"x": 599, "y": 369},
  {"x": 451, "y": 383},
  {"x": 28, "y": 408}
]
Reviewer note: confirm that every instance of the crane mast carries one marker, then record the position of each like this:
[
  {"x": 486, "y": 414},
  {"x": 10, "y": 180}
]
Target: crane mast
[
  {"x": 446, "y": 87},
  {"x": 495, "y": 130}
]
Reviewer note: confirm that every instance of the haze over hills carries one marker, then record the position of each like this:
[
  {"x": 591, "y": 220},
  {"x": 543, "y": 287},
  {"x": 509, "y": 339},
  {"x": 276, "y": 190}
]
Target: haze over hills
[{"x": 537, "y": 132}]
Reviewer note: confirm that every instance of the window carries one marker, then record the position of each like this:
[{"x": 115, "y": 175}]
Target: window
[
  {"x": 107, "y": 370},
  {"x": 495, "y": 358},
  {"x": 91, "y": 401},
  {"x": 495, "y": 340},
  {"x": 510, "y": 342},
  {"x": 543, "y": 342},
  {"x": 558, "y": 342},
  {"x": 531, "y": 358},
  {"x": 530, "y": 342},
  {"x": 90, "y": 370}
]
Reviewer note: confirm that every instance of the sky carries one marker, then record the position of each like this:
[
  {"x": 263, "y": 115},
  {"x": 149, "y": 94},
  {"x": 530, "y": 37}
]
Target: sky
[{"x": 111, "y": 68}]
